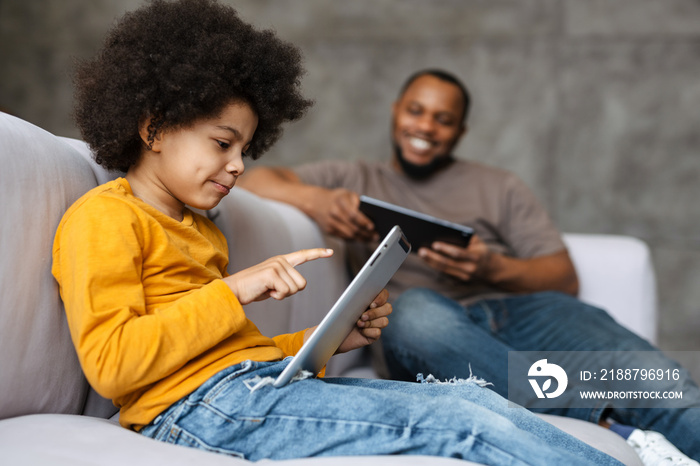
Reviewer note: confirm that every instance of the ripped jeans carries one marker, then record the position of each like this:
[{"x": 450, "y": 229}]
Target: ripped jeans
[
  {"x": 238, "y": 414},
  {"x": 429, "y": 332}
]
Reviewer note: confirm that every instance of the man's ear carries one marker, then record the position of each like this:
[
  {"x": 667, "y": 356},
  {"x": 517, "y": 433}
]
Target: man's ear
[
  {"x": 149, "y": 134},
  {"x": 463, "y": 131}
]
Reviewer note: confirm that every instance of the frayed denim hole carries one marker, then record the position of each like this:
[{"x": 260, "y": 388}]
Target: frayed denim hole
[
  {"x": 472, "y": 379},
  {"x": 257, "y": 382}
]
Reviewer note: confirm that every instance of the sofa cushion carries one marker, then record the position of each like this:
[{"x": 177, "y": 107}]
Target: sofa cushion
[
  {"x": 61, "y": 440},
  {"x": 599, "y": 437},
  {"x": 41, "y": 176}
]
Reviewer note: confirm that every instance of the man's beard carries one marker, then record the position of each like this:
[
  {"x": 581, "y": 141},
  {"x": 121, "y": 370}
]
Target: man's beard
[{"x": 421, "y": 172}]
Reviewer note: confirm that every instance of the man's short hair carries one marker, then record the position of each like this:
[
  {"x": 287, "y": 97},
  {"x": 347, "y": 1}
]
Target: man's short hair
[{"x": 446, "y": 76}]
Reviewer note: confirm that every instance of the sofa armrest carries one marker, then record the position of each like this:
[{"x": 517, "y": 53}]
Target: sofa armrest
[{"x": 616, "y": 273}]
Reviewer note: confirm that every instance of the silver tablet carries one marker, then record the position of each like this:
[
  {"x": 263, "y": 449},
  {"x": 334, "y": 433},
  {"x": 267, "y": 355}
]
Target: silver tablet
[{"x": 343, "y": 316}]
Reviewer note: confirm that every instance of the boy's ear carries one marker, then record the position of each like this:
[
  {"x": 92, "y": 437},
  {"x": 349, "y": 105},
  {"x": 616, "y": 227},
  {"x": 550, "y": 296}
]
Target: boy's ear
[{"x": 149, "y": 135}]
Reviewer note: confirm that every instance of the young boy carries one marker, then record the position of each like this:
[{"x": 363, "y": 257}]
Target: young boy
[{"x": 179, "y": 95}]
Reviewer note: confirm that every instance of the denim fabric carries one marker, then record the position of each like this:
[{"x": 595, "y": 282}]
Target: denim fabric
[
  {"x": 238, "y": 414},
  {"x": 430, "y": 333}
]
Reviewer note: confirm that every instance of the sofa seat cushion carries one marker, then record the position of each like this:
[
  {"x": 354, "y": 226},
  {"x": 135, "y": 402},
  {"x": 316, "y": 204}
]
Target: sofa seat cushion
[
  {"x": 69, "y": 440},
  {"x": 599, "y": 437}
]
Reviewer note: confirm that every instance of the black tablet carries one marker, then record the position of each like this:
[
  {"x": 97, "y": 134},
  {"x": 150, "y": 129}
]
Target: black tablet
[{"x": 420, "y": 229}]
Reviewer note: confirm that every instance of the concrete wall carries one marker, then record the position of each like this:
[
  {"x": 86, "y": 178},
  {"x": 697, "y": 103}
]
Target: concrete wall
[{"x": 596, "y": 104}]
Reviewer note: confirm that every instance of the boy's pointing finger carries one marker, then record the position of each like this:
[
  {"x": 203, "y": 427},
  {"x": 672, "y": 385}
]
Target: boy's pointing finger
[{"x": 304, "y": 255}]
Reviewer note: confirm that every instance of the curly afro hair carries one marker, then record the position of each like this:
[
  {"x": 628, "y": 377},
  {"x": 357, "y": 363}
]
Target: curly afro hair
[{"x": 175, "y": 63}]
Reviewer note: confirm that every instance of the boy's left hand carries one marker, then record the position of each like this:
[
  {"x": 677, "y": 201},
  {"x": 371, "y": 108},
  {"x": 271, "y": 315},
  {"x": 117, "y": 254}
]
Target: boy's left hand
[{"x": 369, "y": 327}]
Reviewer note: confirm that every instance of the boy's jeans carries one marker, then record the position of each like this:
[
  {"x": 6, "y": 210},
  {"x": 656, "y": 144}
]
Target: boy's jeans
[
  {"x": 235, "y": 414},
  {"x": 429, "y": 332}
]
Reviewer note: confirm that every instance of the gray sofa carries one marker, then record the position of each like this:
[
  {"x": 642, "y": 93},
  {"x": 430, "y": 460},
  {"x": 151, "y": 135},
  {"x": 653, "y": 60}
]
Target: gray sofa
[{"x": 48, "y": 413}]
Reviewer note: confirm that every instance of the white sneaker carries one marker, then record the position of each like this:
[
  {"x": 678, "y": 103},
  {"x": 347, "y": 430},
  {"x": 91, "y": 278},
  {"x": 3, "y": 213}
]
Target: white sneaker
[{"x": 654, "y": 450}]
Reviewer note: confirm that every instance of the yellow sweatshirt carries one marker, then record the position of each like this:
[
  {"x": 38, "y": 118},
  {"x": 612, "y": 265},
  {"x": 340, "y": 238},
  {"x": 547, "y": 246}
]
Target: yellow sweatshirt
[{"x": 148, "y": 313}]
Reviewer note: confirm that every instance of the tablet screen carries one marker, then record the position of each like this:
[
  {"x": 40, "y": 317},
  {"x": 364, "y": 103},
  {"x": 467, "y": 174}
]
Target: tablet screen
[{"x": 420, "y": 229}]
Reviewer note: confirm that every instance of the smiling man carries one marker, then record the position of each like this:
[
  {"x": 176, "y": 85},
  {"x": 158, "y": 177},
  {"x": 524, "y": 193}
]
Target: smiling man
[
  {"x": 429, "y": 120},
  {"x": 513, "y": 288}
]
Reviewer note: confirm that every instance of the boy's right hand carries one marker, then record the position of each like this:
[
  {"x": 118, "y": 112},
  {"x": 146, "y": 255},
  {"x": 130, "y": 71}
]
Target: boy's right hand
[
  {"x": 274, "y": 278},
  {"x": 337, "y": 212}
]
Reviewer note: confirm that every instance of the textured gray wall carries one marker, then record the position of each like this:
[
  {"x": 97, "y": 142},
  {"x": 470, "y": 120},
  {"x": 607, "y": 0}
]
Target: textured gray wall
[{"x": 595, "y": 103}]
